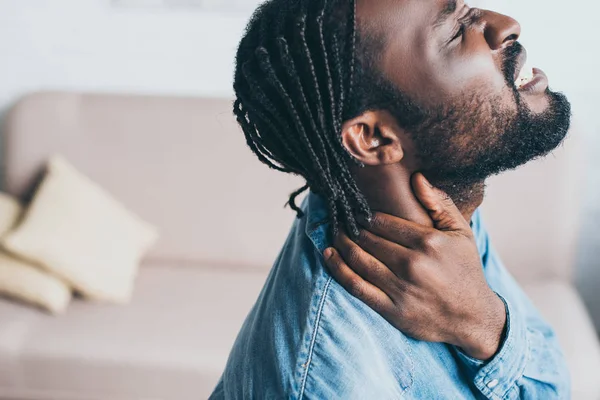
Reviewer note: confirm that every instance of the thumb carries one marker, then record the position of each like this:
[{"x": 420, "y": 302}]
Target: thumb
[{"x": 442, "y": 210}]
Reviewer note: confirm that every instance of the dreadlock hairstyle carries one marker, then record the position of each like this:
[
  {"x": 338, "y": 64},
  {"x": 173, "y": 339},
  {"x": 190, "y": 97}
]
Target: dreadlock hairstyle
[{"x": 295, "y": 76}]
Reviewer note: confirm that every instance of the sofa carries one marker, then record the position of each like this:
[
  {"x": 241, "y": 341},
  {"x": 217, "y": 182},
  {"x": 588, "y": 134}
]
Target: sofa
[{"x": 183, "y": 165}]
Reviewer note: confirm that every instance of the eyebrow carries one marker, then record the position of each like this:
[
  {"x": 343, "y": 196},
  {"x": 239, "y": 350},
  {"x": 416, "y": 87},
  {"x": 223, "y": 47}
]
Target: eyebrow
[{"x": 448, "y": 9}]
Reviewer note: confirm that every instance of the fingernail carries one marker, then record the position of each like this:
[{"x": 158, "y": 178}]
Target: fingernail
[
  {"x": 427, "y": 182},
  {"x": 327, "y": 253}
]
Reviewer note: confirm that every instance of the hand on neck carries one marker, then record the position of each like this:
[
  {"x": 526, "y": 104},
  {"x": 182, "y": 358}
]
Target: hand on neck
[
  {"x": 388, "y": 189},
  {"x": 388, "y": 154}
]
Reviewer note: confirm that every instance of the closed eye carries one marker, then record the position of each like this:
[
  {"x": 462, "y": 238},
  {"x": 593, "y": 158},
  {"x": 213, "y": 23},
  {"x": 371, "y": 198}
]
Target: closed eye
[{"x": 458, "y": 34}]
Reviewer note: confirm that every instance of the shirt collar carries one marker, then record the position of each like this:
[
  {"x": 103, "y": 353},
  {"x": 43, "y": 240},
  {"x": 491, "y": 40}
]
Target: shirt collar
[{"x": 317, "y": 224}]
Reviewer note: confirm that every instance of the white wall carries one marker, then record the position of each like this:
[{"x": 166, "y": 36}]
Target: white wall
[
  {"x": 89, "y": 45},
  {"x": 562, "y": 39}
]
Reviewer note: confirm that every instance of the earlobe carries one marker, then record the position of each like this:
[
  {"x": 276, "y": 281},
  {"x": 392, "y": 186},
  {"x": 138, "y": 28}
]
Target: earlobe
[{"x": 373, "y": 138}]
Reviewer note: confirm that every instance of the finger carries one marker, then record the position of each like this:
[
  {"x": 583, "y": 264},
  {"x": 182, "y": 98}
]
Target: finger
[
  {"x": 364, "y": 264},
  {"x": 393, "y": 255},
  {"x": 355, "y": 285},
  {"x": 398, "y": 230},
  {"x": 444, "y": 213}
]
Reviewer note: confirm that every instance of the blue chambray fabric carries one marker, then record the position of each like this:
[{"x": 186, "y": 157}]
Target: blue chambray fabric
[{"x": 307, "y": 338}]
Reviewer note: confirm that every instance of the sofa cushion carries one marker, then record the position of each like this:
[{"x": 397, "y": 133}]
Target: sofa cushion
[
  {"x": 171, "y": 342},
  {"x": 562, "y": 307}
]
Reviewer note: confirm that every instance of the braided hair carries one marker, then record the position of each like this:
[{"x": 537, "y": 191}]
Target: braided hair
[{"x": 295, "y": 83}]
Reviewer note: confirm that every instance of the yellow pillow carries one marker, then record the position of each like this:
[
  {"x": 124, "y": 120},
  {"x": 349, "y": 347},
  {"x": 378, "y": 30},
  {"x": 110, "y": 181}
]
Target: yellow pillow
[
  {"x": 24, "y": 282},
  {"x": 77, "y": 231}
]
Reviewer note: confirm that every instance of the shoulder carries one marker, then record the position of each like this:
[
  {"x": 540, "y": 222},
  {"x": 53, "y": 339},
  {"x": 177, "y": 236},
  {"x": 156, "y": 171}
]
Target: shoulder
[
  {"x": 350, "y": 343},
  {"x": 308, "y": 338}
]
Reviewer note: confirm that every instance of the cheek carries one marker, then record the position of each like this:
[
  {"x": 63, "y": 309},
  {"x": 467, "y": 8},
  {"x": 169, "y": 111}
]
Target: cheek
[
  {"x": 467, "y": 73},
  {"x": 475, "y": 76}
]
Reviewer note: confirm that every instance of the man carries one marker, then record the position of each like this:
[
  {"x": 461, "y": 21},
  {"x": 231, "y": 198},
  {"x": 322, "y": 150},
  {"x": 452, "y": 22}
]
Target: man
[{"x": 395, "y": 112}]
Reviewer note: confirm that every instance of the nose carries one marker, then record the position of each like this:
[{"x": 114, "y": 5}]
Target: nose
[{"x": 500, "y": 30}]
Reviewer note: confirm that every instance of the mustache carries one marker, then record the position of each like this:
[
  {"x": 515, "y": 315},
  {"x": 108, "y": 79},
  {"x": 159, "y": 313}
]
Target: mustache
[{"x": 510, "y": 62}]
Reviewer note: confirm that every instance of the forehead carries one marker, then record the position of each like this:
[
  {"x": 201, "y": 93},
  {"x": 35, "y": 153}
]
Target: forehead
[
  {"x": 409, "y": 28},
  {"x": 387, "y": 14}
]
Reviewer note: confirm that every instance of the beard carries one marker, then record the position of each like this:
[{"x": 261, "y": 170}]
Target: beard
[{"x": 460, "y": 145}]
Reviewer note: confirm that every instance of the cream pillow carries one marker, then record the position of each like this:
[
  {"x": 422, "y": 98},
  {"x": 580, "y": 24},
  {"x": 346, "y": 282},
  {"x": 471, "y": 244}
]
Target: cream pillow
[
  {"x": 27, "y": 283},
  {"x": 10, "y": 211},
  {"x": 24, "y": 282},
  {"x": 76, "y": 230}
]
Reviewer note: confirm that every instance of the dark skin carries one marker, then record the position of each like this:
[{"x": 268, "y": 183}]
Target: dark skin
[{"x": 416, "y": 263}]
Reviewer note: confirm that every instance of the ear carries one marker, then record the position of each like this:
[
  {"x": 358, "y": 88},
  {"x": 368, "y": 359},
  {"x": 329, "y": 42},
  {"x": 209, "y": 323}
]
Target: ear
[{"x": 373, "y": 138}]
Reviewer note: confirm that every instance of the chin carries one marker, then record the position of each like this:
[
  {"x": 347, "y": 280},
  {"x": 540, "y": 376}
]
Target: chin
[{"x": 538, "y": 103}]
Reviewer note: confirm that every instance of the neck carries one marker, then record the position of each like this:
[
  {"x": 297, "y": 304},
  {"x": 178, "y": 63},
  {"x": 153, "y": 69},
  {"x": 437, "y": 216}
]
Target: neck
[{"x": 388, "y": 190}]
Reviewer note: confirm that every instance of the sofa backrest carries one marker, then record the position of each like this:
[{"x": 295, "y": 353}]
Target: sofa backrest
[
  {"x": 183, "y": 165},
  {"x": 533, "y": 214}
]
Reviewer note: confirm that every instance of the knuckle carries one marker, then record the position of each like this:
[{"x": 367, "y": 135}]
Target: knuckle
[
  {"x": 435, "y": 241},
  {"x": 363, "y": 236},
  {"x": 406, "y": 314},
  {"x": 377, "y": 304},
  {"x": 410, "y": 272},
  {"x": 446, "y": 199},
  {"x": 353, "y": 256},
  {"x": 446, "y": 217},
  {"x": 378, "y": 221},
  {"x": 448, "y": 202},
  {"x": 414, "y": 260},
  {"x": 427, "y": 240},
  {"x": 444, "y": 214},
  {"x": 414, "y": 268},
  {"x": 375, "y": 267},
  {"x": 356, "y": 288}
]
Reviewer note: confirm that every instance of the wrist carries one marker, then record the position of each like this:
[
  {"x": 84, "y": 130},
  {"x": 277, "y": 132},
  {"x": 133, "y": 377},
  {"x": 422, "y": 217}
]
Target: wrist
[{"x": 483, "y": 336}]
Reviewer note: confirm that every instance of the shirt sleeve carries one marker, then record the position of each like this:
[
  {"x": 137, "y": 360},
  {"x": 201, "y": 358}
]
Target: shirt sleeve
[{"x": 529, "y": 363}]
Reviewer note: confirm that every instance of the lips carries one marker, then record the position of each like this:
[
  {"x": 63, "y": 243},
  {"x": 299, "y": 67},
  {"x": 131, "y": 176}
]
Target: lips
[
  {"x": 537, "y": 84},
  {"x": 532, "y": 81}
]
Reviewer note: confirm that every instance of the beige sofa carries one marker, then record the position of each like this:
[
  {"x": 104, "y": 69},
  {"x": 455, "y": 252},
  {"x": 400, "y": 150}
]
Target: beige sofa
[{"x": 183, "y": 165}]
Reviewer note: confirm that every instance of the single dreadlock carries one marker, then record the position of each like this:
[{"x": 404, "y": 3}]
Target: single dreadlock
[{"x": 295, "y": 77}]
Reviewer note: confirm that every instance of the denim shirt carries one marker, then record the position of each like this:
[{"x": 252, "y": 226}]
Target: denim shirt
[{"x": 308, "y": 338}]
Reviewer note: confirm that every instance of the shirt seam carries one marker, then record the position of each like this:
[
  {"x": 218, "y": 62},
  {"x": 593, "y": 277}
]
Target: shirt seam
[{"x": 314, "y": 337}]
